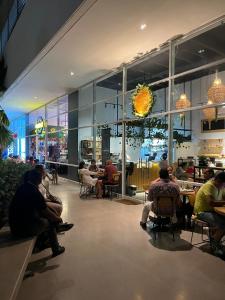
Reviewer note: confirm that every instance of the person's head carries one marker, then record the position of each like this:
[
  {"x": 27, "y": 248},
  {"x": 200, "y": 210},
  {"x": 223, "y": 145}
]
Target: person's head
[
  {"x": 164, "y": 174},
  {"x": 10, "y": 155},
  {"x": 31, "y": 159},
  {"x": 108, "y": 162},
  {"x": 40, "y": 169},
  {"x": 164, "y": 156},
  {"x": 219, "y": 180},
  {"x": 81, "y": 165},
  {"x": 93, "y": 162},
  {"x": 208, "y": 174},
  {"x": 33, "y": 176},
  {"x": 170, "y": 170}
]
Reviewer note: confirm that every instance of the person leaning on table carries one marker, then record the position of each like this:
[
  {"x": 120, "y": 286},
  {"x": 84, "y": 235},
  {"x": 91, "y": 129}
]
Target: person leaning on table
[{"x": 210, "y": 195}]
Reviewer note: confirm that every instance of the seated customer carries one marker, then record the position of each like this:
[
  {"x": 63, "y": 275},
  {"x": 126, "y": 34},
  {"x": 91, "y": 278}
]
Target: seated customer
[
  {"x": 210, "y": 195},
  {"x": 87, "y": 179},
  {"x": 51, "y": 201},
  {"x": 181, "y": 173},
  {"x": 110, "y": 169},
  {"x": 161, "y": 188},
  {"x": 208, "y": 174},
  {"x": 93, "y": 167},
  {"x": 29, "y": 214}
]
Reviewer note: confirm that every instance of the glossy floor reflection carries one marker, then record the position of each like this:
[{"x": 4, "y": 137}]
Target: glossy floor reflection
[{"x": 109, "y": 257}]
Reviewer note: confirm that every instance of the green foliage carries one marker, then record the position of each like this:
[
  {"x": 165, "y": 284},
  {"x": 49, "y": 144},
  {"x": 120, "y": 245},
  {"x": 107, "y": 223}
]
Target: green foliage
[
  {"x": 10, "y": 177},
  {"x": 5, "y": 134}
]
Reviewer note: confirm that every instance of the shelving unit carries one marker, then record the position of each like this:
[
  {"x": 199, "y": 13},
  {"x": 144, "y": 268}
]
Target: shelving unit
[{"x": 87, "y": 149}]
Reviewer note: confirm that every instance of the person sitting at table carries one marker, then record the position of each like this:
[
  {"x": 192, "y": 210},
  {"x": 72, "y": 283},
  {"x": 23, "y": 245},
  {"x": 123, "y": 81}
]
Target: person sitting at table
[
  {"x": 110, "y": 169},
  {"x": 210, "y": 195},
  {"x": 163, "y": 187},
  {"x": 181, "y": 173},
  {"x": 93, "y": 167},
  {"x": 87, "y": 179},
  {"x": 208, "y": 174},
  {"x": 171, "y": 175}
]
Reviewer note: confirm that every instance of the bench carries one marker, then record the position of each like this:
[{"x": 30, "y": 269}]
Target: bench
[{"x": 14, "y": 258}]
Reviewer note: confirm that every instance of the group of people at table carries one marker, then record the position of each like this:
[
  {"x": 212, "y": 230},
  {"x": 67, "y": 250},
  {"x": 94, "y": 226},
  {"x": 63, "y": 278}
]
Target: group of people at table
[
  {"x": 208, "y": 198},
  {"x": 98, "y": 177}
]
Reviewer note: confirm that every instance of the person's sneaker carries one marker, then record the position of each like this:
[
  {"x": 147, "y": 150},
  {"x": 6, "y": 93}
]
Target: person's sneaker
[
  {"x": 59, "y": 251},
  {"x": 64, "y": 227},
  {"x": 143, "y": 225}
]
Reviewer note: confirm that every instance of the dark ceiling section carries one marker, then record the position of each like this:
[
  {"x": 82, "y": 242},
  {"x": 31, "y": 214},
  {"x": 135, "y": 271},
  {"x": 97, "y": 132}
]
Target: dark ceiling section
[
  {"x": 5, "y": 6},
  {"x": 114, "y": 82},
  {"x": 203, "y": 49}
]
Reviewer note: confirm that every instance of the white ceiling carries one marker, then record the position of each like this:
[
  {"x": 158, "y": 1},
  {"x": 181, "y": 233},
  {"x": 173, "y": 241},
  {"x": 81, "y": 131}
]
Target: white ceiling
[{"x": 107, "y": 35}]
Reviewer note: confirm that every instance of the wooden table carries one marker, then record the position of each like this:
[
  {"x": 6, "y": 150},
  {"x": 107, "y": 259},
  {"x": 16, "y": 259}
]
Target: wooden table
[{"x": 220, "y": 210}]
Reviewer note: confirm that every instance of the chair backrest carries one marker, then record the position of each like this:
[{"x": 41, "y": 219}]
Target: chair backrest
[
  {"x": 116, "y": 177},
  {"x": 164, "y": 206}
]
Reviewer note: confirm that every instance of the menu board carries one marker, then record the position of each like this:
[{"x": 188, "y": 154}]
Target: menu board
[{"x": 211, "y": 147}]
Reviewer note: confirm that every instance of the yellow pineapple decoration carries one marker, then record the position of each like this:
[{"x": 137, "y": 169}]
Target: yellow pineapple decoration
[{"x": 142, "y": 100}]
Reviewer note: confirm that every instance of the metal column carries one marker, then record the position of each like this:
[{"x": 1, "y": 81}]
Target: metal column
[
  {"x": 170, "y": 101},
  {"x": 124, "y": 132}
]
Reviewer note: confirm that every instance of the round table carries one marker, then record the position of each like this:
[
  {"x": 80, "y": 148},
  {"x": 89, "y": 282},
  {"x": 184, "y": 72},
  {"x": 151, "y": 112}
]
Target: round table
[{"x": 220, "y": 210}]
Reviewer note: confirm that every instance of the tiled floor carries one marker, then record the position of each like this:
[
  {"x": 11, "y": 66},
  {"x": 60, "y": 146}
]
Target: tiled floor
[{"x": 109, "y": 257}]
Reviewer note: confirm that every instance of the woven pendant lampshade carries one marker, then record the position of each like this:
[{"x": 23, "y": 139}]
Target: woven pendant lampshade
[
  {"x": 216, "y": 92},
  {"x": 183, "y": 102}
]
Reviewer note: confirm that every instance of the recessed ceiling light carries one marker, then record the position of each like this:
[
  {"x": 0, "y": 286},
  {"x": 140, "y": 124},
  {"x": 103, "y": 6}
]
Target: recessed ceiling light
[
  {"x": 143, "y": 26},
  {"x": 71, "y": 73},
  {"x": 200, "y": 51}
]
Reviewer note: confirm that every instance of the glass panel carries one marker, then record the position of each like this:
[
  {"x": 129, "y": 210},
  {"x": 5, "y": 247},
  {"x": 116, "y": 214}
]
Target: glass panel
[
  {"x": 148, "y": 71},
  {"x": 196, "y": 88},
  {"x": 205, "y": 48},
  {"x": 85, "y": 144},
  {"x": 52, "y": 124},
  {"x": 109, "y": 88},
  {"x": 109, "y": 110},
  {"x": 63, "y": 138},
  {"x": 63, "y": 104},
  {"x": 35, "y": 117},
  {"x": 200, "y": 144},
  {"x": 63, "y": 121},
  {"x": 52, "y": 109},
  {"x": 85, "y": 116},
  {"x": 53, "y": 147},
  {"x": 146, "y": 142}
]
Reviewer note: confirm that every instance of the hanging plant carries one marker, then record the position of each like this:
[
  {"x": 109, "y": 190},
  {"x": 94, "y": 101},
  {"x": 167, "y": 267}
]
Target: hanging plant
[{"x": 142, "y": 100}]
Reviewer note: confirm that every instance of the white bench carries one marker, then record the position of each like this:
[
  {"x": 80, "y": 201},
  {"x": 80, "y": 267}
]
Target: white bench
[{"x": 14, "y": 258}]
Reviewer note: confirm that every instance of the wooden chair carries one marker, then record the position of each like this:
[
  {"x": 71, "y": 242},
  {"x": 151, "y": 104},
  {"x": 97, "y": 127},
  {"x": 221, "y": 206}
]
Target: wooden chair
[
  {"x": 164, "y": 209},
  {"x": 113, "y": 187}
]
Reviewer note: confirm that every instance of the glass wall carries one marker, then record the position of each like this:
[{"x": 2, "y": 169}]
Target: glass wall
[
  {"x": 186, "y": 123},
  {"x": 18, "y": 146}
]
